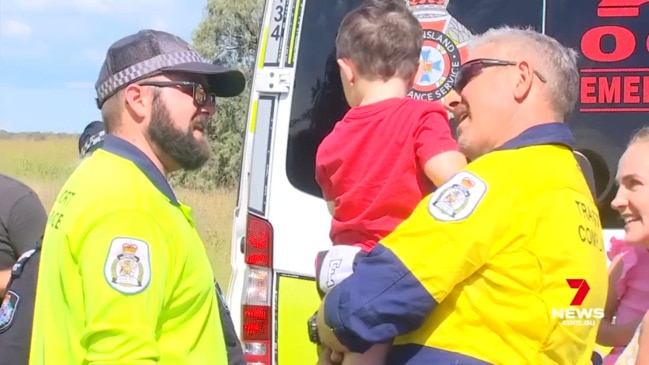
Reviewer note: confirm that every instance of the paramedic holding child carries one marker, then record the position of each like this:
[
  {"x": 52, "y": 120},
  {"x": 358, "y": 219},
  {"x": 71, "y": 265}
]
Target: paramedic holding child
[
  {"x": 478, "y": 272},
  {"x": 388, "y": 151},
  {"x": 124, "y": 277}
]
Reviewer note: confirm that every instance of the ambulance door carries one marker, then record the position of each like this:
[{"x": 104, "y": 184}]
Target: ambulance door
[
  {"x": 298, "y": 214},
  {"x": 250, "y": 291}
]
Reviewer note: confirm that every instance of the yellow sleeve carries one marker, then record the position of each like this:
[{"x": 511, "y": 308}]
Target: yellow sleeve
[
  {"x": 124, "y": 262},
  {"x": 452, "y": 233},
  {"x": 449, "y": 236}
]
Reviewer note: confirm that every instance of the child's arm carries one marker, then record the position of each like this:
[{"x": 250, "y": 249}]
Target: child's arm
[
  {"x": 618, "y": 334},
  {"x": 436, "y": 150},
  {"x": 442, "y": 167},
  {"x": 322, "y": 178}
]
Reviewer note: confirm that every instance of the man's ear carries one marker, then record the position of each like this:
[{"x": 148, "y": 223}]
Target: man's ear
[
  {"x": 137, "y": 100},
  {"x": 524, "y": 80},
  {"x": 347, "y": 70}
]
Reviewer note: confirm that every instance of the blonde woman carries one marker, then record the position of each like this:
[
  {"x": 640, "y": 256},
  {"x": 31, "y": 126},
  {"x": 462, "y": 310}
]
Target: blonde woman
[{"x": 632, "y": 202}]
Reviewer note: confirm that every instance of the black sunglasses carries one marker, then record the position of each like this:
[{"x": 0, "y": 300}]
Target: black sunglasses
[
  {"x": 473, "y": 68},
  {"x": 200, "y": 95}
]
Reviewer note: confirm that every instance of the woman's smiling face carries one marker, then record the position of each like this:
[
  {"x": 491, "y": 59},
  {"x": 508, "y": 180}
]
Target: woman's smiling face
[{"x": 632, "y": 198}]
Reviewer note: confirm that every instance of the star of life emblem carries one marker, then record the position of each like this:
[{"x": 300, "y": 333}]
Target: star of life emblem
[{"x": 443, "y": 50}]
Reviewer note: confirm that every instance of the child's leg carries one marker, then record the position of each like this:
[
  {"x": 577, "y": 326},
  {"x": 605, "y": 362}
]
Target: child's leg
[{"x": 375, "y": 355}]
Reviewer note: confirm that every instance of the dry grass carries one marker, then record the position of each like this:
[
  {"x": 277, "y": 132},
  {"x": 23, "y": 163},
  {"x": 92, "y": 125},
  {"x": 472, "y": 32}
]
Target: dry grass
[
  {"x": 44, "y": 164},
  {"x": 213, "y": 214}
]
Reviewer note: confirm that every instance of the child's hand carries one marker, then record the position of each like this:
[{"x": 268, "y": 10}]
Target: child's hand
[{"x": 616, "y": 335}]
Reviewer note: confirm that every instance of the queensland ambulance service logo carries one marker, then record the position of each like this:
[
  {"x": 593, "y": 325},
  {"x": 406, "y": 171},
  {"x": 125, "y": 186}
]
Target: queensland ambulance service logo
[
  {"x": 457, "y": 198},
  {"x": 443, "y": 50}
]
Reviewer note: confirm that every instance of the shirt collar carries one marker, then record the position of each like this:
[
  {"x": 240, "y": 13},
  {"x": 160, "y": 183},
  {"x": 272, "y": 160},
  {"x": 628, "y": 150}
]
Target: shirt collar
[
  {"x": 122, "y": 148},
  {"x": 549, "y": 133}
]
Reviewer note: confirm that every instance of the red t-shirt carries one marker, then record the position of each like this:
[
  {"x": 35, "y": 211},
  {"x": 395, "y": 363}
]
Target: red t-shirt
[{"x": 372, "y": 166}]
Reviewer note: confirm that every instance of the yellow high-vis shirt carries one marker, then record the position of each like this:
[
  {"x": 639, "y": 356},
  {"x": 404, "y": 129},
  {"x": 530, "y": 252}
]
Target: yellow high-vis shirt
[
  {"x": 124, "y": 277},
  {"x": 503, "y": 264}
]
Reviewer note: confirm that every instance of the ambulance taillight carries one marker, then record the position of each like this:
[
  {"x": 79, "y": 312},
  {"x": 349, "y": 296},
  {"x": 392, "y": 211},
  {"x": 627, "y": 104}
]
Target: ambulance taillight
[{"x": 257, "y": 308}]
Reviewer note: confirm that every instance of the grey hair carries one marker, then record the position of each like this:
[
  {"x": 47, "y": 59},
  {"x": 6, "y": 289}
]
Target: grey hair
[
  {"x": 641, "y": 135},
  {"x": 558, "y": 64}
]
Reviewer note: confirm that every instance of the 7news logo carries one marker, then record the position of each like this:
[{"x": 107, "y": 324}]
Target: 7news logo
[{"x": 576, "y": 315}]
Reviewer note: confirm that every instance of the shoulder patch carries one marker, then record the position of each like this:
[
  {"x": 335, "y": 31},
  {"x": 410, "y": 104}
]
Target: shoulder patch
[
  {"x": 128, "y": 267},
  {"x": 8, "y": 310},
  {"x": 457, "y": 198}
]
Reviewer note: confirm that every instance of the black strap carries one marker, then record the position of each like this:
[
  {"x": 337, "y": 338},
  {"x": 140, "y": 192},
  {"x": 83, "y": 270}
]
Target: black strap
[
  {"x": 232, "y": 343},
  {"x": 587, "y": 170}
]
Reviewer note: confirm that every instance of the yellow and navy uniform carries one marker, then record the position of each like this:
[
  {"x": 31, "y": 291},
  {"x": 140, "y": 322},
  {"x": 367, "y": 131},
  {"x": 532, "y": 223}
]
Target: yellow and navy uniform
[
  {"x": 124, "y": 276},
  {"x": 479, "y": 273}
]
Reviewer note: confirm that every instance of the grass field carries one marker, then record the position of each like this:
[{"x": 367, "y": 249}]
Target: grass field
[{"x": 45, "y": 163}]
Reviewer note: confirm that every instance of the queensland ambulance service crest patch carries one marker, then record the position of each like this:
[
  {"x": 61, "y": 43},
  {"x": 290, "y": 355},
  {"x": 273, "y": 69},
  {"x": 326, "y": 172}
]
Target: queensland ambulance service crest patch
[
  {"x": 128, "y": 267},
  {"x": 458, "y": 198},
  {"x": 8, "y": 310}
]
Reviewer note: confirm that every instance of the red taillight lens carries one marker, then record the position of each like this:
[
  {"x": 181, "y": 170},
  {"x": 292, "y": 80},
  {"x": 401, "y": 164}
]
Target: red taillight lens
[
  {"x": 259, "y": 238},
  {"x": 257, "y": 308},
  {"x": 257, "y": 322}
]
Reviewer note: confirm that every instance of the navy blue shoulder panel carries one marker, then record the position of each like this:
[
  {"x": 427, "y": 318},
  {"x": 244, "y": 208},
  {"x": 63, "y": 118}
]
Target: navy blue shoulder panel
[
  {"x": 550, "y": 133},
  {"x": 122, "y": 148}
]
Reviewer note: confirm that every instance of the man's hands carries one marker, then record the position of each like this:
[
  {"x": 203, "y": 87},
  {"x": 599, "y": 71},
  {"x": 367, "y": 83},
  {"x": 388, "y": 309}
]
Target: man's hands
[
  {"x": 326, "y": 334},
  {"x": 328, "y": 357}
]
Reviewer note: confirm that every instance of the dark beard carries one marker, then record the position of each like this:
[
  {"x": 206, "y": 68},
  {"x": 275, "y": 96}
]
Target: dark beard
[{"x": 180, "y": 146}]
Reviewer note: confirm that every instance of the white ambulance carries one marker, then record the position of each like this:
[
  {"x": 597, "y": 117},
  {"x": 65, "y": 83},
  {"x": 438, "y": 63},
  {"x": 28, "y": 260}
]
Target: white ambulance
[{"x": 281, "y": 220}]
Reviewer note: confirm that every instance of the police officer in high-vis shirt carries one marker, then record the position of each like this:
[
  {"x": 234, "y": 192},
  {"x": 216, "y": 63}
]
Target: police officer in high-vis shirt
[
  {"x": 124, "y": 276},
  {"x": 15, "y": 335}
]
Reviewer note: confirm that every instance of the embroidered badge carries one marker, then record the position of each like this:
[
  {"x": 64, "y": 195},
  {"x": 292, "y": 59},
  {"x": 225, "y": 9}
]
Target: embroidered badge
[
  {"x": 127, "y": 268},
  {"x": 8, "y": 310},
  {"x": 458, "y": 198}
]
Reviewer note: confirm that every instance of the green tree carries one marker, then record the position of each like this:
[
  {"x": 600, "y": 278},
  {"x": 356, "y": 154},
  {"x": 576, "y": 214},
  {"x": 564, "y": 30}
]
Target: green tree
[{"x": 228, "y": 34}]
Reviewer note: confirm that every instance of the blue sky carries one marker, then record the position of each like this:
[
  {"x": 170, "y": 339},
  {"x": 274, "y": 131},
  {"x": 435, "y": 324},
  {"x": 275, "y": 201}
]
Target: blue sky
[{"x": 51, "y": 52}]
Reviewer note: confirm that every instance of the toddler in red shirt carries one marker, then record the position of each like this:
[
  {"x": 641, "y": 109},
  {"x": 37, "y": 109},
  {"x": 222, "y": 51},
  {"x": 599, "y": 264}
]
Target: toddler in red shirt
[{"x": 388, "y": 152}]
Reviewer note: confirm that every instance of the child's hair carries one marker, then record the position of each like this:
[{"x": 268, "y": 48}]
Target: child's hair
[{"x": 382, "y": 38}]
